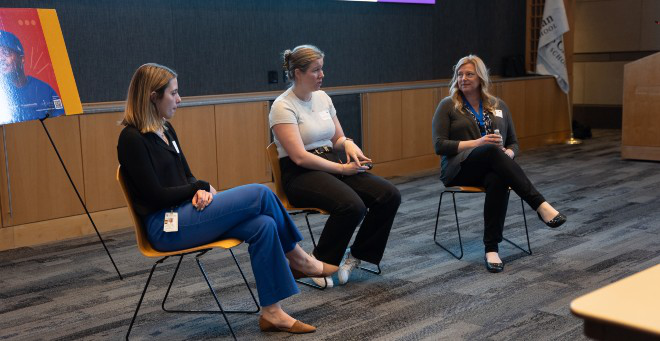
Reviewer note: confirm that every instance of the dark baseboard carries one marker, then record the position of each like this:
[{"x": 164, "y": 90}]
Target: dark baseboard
[{"x": 598, "y": 116}]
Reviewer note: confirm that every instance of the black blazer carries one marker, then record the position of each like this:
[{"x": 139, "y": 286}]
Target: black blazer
[
  {"x": 451, "y": 126},
  {"x": 157, "y": 175}
]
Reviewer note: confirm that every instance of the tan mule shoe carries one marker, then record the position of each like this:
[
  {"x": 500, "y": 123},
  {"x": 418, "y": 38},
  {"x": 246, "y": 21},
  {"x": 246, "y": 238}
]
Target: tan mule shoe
[{"x": 297, "y": 328}]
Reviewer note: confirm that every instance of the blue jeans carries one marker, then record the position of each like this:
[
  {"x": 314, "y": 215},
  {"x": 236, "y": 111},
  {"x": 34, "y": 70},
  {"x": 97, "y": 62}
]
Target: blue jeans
[{"x": 251, "y": 213}]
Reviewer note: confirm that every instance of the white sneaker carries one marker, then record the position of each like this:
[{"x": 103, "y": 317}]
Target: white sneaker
[
  {"x": 320, "y": 282},
  {"x": 345, "y": 269}
]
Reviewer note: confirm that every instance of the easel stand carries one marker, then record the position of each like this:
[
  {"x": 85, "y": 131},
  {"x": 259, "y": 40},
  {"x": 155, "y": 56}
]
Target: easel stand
[{"x": 78, "y": 194}]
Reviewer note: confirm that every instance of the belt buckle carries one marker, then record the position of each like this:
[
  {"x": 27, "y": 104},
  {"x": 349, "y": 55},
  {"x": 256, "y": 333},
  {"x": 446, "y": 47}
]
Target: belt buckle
[{"x": 321, "y": 150}]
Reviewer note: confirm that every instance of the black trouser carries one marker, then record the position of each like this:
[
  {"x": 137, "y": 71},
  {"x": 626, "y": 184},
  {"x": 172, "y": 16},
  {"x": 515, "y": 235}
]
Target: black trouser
[
  {"x": 347, "y": 199},
  {"x": 489, "y": 167}
]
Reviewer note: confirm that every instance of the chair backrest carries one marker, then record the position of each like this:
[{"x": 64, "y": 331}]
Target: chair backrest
[
  {"x": 273, "y": 156},
  {"x": 140, "y": 235}
]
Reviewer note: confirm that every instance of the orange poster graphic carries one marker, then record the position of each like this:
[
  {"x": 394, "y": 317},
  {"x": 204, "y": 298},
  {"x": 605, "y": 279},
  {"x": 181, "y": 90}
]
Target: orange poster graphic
[{"x": 35, "y": 73}]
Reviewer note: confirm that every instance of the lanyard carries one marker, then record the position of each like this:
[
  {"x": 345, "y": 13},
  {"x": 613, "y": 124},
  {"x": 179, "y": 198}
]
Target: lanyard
[{"x": 479, "y": 115}]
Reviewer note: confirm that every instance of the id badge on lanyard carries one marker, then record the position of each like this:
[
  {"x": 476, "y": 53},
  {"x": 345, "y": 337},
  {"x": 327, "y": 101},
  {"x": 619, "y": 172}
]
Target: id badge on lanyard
[{"x": 171, "y": 221}]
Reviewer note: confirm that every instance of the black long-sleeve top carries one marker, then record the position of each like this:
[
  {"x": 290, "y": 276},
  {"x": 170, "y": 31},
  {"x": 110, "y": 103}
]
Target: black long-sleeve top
[
  {"x": 451, "y": 126},
  {"x": 157, "y": 174}
]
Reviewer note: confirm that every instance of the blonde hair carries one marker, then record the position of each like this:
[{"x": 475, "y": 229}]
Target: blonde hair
[
  {"x": 489, "y": 101},
  {"x": 300, "y": 58},
  {"x": 140, "y": 111}
]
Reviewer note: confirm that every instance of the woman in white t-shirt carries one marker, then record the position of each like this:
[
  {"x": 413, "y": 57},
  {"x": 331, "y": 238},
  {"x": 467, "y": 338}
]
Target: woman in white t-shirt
[{"x": 308, "y": 133}]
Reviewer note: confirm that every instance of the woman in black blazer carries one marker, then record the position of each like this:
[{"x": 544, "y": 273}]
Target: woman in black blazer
[{"x": 474, "y": 133}]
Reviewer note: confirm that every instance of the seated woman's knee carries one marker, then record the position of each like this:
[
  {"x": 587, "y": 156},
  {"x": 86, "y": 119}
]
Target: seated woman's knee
[
  {"x": 259, "y": 189},
  {"x": 490, "y": 148},
  {"x": 491, "y": 151},
  {"x": 265, "y": 225},
  {"x": 391, "y": 197},
  {"x": 355, "y": 208}
]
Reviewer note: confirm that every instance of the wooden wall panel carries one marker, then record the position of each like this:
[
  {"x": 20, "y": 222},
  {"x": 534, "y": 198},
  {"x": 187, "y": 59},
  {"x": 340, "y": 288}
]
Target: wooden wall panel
[
  {"x": 539, "y": 110},
  {"x": 439, "y": 93},
  {"x": 99, "y": 134},
  {"x": 538, "y": 107},
  {"x": 495, "y": 89},
  {"x": 513, "y": 94},
  {"x": 417, "y": 107},
  {"x": 195, "y": 127},
  {"x": 7, "y": 238},
  {"x": 381, "y": 118},
  {"x": 242, "y": 138},
  {"x": 40, "y": 189},
  {"x": 641, "y": 99},
  {"x": 48, "y": 231}
]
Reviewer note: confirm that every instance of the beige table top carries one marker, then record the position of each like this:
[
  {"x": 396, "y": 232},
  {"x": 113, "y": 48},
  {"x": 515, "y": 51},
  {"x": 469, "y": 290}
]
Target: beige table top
[{"x": 632, "y": 302}]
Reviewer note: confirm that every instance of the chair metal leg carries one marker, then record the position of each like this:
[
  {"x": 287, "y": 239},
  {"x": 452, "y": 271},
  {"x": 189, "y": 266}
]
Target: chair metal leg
[
  {"x": 310, "y": 283},
  {"x": 254, "y": 299},
  {"x": 169, "y": 287},
  {"x": 458, "y": 228},
  {"x": 142, "y": 296},
  {"x": 201, "y": 268},
  {"x": 258, "y": 308},
  {"x": 376, "y": 272},
  {"x": 529, "y": 247},
  {"x": 309, "y": 227}
]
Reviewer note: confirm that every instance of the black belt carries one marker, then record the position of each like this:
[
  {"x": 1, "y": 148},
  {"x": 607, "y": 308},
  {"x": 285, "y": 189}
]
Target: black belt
[{"x": 321, "y": 150}]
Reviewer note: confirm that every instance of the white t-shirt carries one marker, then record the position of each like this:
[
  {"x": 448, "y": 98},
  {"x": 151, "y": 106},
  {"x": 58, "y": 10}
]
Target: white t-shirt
[{"x": 314, "y": 118}]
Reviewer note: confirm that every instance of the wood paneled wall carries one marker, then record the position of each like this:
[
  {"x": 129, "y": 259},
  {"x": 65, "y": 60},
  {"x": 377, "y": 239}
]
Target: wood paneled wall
[
  {"x": 98, "y": 139},
  {"x": 242, "y": 137},
  {"x": 39, "y": 186},
  {"x": 641, "y": 99},
  {"x": 226, "y": 145},
  {"x": 417, "y": 108},
  {"x": 381, "y": 119}
]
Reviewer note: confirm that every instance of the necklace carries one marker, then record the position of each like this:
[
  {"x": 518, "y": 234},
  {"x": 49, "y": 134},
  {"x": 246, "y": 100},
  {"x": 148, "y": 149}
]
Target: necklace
[{"x": 161, "y": 134}]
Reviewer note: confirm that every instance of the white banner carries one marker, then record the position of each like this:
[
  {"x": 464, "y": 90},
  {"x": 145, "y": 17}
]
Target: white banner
[{"x": 550, "y": 59}]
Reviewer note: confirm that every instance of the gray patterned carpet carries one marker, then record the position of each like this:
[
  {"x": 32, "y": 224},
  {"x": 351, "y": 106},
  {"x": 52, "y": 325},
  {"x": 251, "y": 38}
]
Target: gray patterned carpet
[{"x": 69, "y": 290}]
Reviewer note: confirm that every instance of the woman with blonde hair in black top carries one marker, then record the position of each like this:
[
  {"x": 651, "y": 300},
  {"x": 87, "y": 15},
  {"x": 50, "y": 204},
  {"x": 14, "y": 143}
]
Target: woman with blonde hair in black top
[{"x": 474, "y": 133}]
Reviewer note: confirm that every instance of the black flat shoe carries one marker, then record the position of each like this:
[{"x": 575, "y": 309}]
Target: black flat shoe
[
  {"x": 493, "y": 267},
  {"x": 557, "y": 221}
]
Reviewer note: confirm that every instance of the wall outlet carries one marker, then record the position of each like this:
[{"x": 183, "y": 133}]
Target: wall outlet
[{"x": 272, "y": 77}]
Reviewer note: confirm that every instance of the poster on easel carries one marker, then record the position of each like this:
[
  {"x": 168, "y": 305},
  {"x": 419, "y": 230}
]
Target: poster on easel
[{"x": 36, "y": 79}]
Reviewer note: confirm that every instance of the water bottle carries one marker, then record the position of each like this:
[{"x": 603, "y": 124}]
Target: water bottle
[{"x": 497, "y": 132}]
